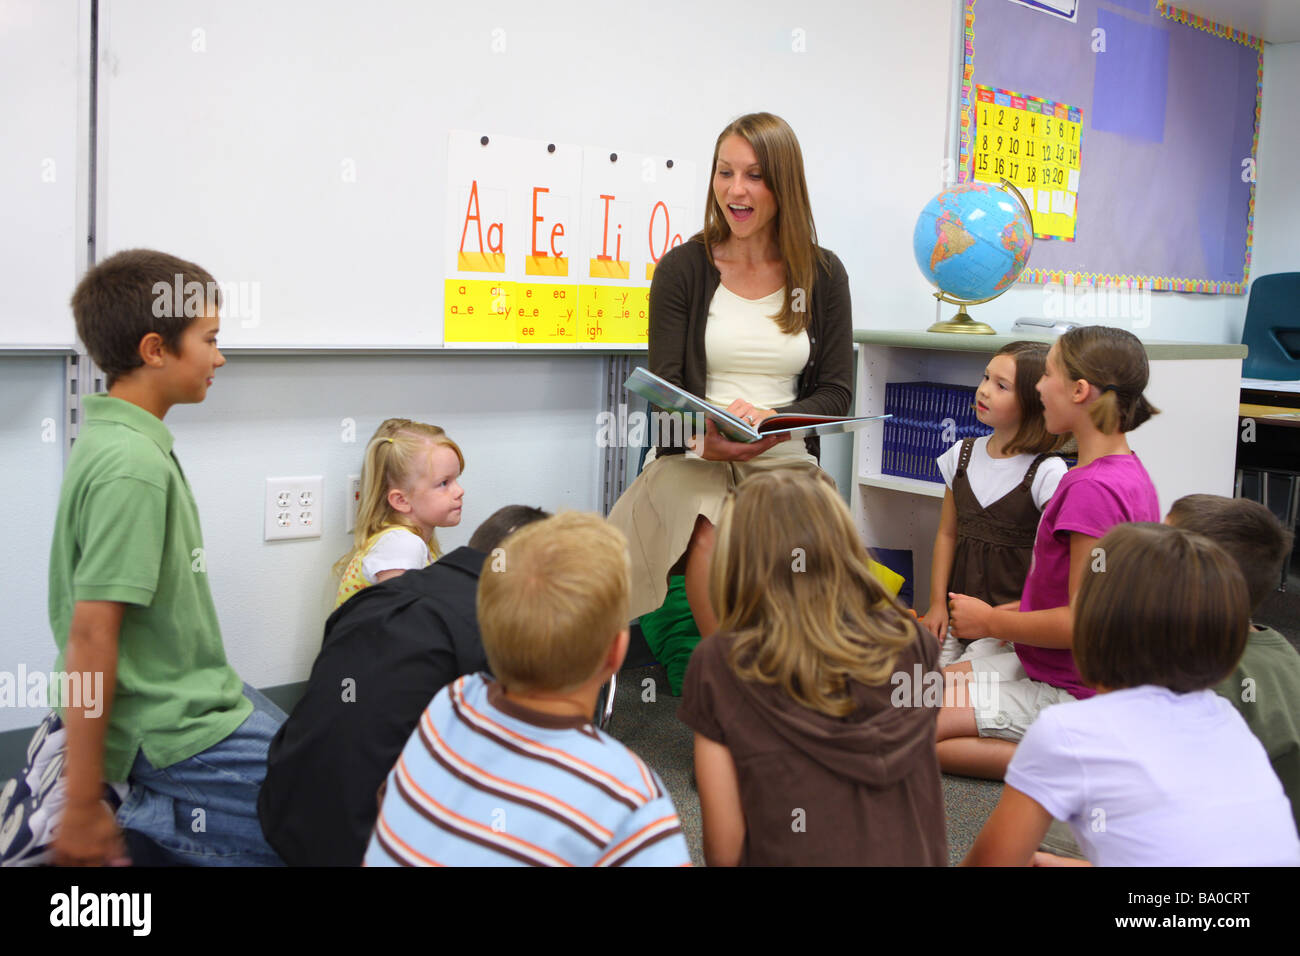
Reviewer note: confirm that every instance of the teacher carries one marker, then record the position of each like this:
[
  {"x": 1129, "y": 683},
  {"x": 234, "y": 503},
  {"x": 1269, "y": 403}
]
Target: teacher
[{"x": 751, "y": 315}]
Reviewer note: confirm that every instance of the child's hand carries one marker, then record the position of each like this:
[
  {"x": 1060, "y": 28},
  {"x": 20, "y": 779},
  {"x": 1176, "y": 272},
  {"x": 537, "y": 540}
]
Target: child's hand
[
  {"x": 969, "y": 617},
  {"x": 88, "y": 836},
  {"x": 936, "y": 621}
]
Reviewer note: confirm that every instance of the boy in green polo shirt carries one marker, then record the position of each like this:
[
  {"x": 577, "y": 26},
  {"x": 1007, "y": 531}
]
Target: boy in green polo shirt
[{"x": 129, "y": 593}]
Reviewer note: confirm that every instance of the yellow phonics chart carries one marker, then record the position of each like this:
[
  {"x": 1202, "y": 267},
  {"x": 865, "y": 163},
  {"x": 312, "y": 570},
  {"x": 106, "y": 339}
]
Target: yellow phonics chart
[
  {"x": 1035, "y": 144},
  {"x": 531, "y": 313},
  {"x": 555, "y": 245}
]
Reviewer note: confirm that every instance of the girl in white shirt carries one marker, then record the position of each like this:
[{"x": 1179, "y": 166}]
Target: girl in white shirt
[
  {"x": 1156, "y": 769},
  {"x": 409, "y": 487},
  {"x": 997, "y": 488}
]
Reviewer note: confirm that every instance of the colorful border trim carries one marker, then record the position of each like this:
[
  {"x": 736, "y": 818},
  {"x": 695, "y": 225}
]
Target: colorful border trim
[
  {"x": 1155, "y": 283},
  {"x": 1164, "y": 9},
  {"x": 964, "y": 172}
]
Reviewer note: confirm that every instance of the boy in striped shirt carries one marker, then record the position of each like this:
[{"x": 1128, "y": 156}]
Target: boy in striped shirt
[{"x": 512, "y": 771}]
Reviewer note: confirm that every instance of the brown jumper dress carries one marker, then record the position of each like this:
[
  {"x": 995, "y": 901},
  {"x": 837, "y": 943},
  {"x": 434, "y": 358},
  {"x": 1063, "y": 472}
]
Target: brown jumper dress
[{"x": 995, "y": 544}]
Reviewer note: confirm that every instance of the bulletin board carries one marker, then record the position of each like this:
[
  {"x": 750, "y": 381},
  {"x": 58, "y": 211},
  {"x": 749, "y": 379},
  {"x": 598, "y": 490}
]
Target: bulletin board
[{"x": 1158, "y": 191}]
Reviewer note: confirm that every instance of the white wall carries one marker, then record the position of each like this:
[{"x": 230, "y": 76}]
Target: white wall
[
  {"x": 526, "y": 425},
  {"x": 31, "y": 469},
  {"x": 1277, "y": 192}
]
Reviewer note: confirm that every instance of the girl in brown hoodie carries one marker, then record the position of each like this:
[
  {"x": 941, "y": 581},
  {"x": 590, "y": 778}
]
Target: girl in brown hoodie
[{"x": 814, "y": 733}]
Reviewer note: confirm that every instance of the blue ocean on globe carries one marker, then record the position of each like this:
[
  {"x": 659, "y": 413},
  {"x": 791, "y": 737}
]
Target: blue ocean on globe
[{"x": 972, "y": 240}]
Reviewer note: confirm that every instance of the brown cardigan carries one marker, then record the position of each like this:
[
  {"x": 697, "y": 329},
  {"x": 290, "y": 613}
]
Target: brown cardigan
[{"x": 680, "y": 294}]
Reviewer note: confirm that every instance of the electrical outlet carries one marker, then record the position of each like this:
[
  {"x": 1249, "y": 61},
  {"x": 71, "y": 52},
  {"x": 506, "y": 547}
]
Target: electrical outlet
[
  {"x": 353, "y": 502},
  {"x": 292, "y": 508}
]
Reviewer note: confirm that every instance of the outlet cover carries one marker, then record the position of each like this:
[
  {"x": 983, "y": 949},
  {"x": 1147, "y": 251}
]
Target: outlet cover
[
  {"x": 353, "y": 502},
  {"x": 292, "y": 508}
]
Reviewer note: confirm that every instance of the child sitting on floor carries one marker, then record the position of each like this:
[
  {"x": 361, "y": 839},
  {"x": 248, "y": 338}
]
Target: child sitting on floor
[
  {"x": 409, "y": 488},
  {"x": 511, "y": 771},
  {"x": 1265, "y": 686},
  {"x": 814, "y": 741},
  {"x": 1156, "y": 769}
]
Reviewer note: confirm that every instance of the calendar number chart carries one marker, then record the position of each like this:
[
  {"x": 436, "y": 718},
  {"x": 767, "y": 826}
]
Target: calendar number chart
[{"x": 1035, "y": 144}]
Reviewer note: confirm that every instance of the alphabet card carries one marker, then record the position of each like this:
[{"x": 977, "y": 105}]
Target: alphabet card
[
  {"x": 552, "y": 245},
  {"x": 512, "y": 220},
  {"x": 635, "y": 208}
]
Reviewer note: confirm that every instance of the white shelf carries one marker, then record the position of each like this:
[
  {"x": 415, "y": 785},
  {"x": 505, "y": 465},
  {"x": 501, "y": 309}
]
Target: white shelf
[{"x": 911, "y": 486}]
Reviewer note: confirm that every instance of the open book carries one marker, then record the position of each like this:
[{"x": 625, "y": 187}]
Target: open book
[{"x": 666, "y": 395}]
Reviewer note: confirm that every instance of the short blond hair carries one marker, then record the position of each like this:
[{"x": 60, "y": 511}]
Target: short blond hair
[{"x": 551, "y": 599}]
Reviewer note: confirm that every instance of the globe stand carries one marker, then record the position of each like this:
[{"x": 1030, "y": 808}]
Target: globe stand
[{"x": 962, "y": 323}]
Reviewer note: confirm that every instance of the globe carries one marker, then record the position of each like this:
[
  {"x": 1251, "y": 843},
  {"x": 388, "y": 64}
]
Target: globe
[{"x": 972, "y": 241}]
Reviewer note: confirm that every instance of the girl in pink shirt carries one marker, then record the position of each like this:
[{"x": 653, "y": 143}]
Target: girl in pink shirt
[{"x": 1092, "y": 387}]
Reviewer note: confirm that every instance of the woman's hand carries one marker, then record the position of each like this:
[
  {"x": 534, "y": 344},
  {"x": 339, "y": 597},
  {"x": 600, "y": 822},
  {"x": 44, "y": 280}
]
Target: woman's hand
[
  {"x": 750, "y": 413},
  {"x": 969, "y": 617},
  {"x": 714, "y": 447}
]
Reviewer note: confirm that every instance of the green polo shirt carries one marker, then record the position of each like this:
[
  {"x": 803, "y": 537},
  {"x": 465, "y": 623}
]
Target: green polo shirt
[
  {"x": 128, "y": 531},
  {"x": 1268, "y": 704}
]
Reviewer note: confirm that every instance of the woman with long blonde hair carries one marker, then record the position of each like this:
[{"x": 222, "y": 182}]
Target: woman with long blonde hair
[
  {"x": 751, "y": 315},
  {"x": 814, "y": 720}
]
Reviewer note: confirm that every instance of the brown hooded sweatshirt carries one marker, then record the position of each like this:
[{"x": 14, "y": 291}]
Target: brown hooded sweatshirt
[{"x": 862, "y": 790}]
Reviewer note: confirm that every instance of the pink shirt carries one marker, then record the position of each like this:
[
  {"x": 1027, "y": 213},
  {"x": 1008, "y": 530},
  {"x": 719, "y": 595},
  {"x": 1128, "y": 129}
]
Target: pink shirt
[{"x": 1089, "y": 500}]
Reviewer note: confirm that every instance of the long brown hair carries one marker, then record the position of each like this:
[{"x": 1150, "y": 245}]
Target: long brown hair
[
  {"x": 1032, "y": 437},
  {"x": 781, "y": 162},
  {"x": 790, "y": 581},
  {"x": 1114, "y": 361}
]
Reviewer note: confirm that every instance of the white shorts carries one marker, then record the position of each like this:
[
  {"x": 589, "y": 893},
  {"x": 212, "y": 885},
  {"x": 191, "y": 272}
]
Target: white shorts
[{"x": 1005, "y": 700}]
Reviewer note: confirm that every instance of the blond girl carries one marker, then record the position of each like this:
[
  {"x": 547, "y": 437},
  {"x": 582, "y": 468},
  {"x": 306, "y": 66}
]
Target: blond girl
[{"x": 409, "y": 487}]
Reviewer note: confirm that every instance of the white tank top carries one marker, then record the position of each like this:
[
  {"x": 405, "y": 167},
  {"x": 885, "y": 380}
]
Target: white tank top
[{"x": 750, "y": 357}]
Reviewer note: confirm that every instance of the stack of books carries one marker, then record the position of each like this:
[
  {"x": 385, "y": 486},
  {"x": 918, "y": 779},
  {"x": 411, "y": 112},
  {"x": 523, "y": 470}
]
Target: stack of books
[{"x": 928, "y": 418}]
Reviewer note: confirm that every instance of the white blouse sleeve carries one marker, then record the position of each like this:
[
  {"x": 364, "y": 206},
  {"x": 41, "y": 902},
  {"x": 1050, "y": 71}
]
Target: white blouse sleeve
[
  {"x": 395, "y": 550},
  {"x": 1048, "y": 476},
  {"x": 948, "y": 462}
]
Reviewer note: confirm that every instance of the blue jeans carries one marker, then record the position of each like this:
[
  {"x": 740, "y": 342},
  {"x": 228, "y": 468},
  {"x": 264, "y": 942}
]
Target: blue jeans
[{"x": 203, "y": 811}]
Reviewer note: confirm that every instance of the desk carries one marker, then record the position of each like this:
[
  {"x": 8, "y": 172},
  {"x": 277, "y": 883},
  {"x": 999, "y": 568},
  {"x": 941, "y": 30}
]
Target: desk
[{"x": 1190, "y": 447}]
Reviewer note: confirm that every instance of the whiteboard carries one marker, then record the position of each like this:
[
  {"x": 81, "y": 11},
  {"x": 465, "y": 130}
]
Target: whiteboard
[
  {"x": 298, "y": 150},
  {"x": 44, "y": 58}
]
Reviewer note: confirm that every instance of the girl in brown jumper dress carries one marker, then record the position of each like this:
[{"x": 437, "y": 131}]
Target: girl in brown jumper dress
[{"x": 997, "y": 487}]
